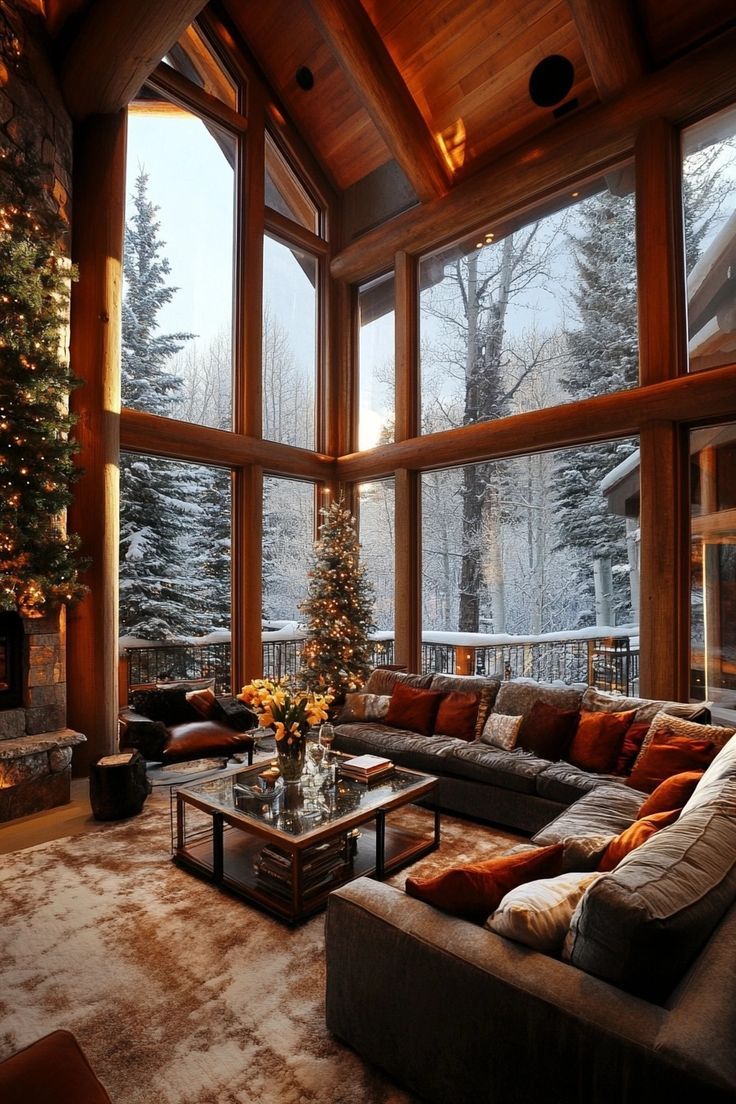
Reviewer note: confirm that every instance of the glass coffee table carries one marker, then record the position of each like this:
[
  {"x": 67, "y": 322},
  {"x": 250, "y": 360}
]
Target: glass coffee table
[{"x": 286, "y": 850}]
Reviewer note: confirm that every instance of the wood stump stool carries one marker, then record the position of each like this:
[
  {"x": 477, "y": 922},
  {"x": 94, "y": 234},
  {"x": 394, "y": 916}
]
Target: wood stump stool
[{"x": 118, "y": 786}]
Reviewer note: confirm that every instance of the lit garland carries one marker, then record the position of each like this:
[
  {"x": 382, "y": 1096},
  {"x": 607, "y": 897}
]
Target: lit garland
[
  {"x": 39, "y": 563},
  {"x": 339, "y": 608}
]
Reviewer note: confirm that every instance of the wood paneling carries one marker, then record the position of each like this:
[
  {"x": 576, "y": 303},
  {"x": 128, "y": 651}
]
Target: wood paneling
[
  {"x": 115, "y": 49},
  {"x": 580, "y": 148},
  {"x": 97, "y": 247},
  {"x": 689, "y": 398},
  {"x": 285, "y": 37},
  {"x": 678, "y": 25},
  {"x": 611, "y": 42}
]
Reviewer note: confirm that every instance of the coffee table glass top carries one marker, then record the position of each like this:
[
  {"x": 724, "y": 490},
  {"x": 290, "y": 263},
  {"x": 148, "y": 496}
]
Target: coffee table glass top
[{"x": 234, "y": 793}]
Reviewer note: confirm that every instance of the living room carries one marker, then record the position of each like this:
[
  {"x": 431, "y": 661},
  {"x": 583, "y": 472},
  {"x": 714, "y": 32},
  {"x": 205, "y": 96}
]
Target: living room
[{"x": 467, "y": 272}]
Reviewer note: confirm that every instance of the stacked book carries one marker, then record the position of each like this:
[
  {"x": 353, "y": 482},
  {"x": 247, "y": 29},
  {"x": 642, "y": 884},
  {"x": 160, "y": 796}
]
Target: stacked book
[
  {"x": 323, "y": 865},
  {"x": 366, "y": 768}
]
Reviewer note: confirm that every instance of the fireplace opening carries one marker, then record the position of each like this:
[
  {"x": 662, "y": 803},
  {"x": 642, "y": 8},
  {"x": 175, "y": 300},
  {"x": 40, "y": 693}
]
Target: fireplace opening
[{"x": 11, "y": 660}]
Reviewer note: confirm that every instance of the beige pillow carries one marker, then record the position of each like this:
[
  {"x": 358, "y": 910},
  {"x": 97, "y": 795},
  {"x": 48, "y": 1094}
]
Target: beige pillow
[
  {"x": 679, "y": 726},
  {"x": 364, "y": 707},
  {"x": 501, "y": 731},
  {"x": 538, "y": 914}
]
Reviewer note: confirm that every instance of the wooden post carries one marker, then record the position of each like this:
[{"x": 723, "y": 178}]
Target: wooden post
[
  {"x": 464, "y": 660},
  {"x": 97, "y": 248},
  {"x": 408, "y": 572},
  {"x": 247, "y": 559}
]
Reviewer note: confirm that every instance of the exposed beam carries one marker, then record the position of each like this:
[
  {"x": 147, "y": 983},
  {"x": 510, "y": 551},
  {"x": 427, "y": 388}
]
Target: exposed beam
[
  {"x": 690, "y": 398},
  {"x": 577, "y": 148},
  {"x": 369, "y": 67},
  {"x": 611, "y": 42},
  {"x": 116, "y": 47}
]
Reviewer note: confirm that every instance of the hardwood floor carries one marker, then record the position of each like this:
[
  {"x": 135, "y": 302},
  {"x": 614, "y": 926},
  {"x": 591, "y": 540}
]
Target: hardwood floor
[{"x": 66, "y": 820}]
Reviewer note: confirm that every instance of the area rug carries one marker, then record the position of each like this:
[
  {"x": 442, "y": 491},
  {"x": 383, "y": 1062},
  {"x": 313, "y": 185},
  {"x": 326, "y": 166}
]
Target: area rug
[{"x": 179, "y": 993}]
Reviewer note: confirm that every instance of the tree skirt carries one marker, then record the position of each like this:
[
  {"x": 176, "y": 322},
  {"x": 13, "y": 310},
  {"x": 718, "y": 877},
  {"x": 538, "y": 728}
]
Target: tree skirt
[{"x": 177, "y": 992}]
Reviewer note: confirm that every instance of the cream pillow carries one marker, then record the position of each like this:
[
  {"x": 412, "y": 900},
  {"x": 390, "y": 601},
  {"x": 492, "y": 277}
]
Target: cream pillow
[
  {"x": 501, "y": 731},
  {"x": 679, "y": 726},
  {"x": 364, "y": 707},
  {"x": 538, "y": 914}
]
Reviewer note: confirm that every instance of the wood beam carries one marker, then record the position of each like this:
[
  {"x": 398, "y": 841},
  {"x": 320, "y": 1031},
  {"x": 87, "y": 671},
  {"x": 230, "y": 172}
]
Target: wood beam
[
  {"x": 692, "y": 397},
  {"x": 577, "y": 149},
  {"x": 660, "y": 253},
  {"x": 408, "y": 571},
  {"x": 612, "y": 44},
  {"x": 247, "y": 582},
  {"x": 369, "y": 67},
  {"x": 97, "y": 248},
  {"x": 116, "y": 47},
  {"x": 151, "y": 433},
  {"x": 408, "y": 405}
]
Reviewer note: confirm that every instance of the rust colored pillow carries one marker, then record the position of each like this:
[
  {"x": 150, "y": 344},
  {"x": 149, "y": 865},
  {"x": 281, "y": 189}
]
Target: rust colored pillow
[
  {"x": 457, "y": 714},
  {"x": 548, "y": 731},
  {"x": 631, "y": 747},
  {"x": 673, "y": 793},
  {"x": 413, "y": 709},
  {"x": 667, "y": 755},
  {"x": 634, "y": 836},
  {"x": 474, "y": 890},
  {"x": 203, "y": 701},
  {"x": 598, "y": 740}
]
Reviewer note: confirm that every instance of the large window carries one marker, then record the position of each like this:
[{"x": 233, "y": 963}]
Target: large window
[
  {"x": 377, "y": 520},
  {"x": 376, "y": 355},
  {"x": 521, "y": 319},
  {"x": 709, "y": 195},
  {"x": 179, "y": 242},
  {"x": 713, "y": 565},
  {"x": 288, "y": 539}
]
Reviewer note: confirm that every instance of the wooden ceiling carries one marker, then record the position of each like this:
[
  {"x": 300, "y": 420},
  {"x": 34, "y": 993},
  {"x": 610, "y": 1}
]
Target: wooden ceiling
[{"x": 441, "y": 86}]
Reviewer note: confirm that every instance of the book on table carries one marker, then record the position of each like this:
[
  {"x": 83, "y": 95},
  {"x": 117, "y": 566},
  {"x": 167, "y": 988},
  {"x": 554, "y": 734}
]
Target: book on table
[{"x": 366, "y": 768}]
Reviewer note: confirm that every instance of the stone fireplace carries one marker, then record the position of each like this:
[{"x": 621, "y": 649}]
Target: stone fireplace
[{"x": 35, "y": 744}]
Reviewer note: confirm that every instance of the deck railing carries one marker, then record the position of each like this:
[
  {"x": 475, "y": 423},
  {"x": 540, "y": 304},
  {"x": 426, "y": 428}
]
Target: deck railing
[{"x": 609, "y": 662}]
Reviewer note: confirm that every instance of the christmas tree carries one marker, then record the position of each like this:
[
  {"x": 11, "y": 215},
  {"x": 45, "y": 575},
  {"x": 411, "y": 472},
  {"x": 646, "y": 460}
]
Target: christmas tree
[
  {"x": 339, "y": 608},
  {"x": 39, "y": 562}
]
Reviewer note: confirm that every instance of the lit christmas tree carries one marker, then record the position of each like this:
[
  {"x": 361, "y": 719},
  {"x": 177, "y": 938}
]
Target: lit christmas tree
[
  {"x": 339, "y": 608},
  {"x": 39, "y": 563}
]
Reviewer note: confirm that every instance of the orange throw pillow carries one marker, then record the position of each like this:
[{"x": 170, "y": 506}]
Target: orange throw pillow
[
  {"x": 413, "y": 709},
  {"x": 475, "y": 890},
  {"x": 673, "y": 793},
  {"x": 203, "y": 701},
  {"x": 631, "y": 746},
  {"x": 634, "y": 836},
  {"x": 667, "y": 755},
  {"x": 598, "y": 740},
  {"x": 457, "y": 714}
]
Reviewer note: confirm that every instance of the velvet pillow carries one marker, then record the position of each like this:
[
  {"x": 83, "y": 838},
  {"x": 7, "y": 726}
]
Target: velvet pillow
[
  {"x": 457, "y": 714},
  {"x": 634, "y": 836},
  {"x": 548, "y": 731},
  {"x": 633, "y": 739},
  {"x": 474, "y": 890},
  {"x": 598, "y": 740},
  {"x": 667, "y": 755},
  {"x": 673, "y": 793},
  {"x": 413, "y": 709}
]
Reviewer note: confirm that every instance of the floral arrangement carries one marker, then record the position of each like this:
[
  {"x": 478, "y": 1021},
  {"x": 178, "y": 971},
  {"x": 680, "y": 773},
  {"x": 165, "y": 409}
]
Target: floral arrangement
[{"x": 289, "y": 711}]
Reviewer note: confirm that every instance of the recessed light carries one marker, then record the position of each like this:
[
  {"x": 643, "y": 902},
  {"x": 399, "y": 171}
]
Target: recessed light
[
  {"x": 551, "y": 80},
  {"x": 305, "y": 78}
]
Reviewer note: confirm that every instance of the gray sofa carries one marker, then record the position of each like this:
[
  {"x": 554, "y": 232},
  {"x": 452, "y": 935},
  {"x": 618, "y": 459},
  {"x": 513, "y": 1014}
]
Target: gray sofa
[
  {"x": 642, "y": 1010},
  {"x": 515, "y": 788}
]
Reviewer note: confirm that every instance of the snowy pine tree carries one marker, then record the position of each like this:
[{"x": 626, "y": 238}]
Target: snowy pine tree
[{"x": 156, "y": 601}]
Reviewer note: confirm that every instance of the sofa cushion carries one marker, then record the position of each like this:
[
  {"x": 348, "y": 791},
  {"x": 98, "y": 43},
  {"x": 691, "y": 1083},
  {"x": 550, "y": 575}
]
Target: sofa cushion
[
  {"x": 671, "y": 794},
  {"x": 202, "y": 739},
  {"x": 538, "y": 914},
  {"x": 466, "y": 684},
  {"x": 517, "y": 697},
  {"x": 413, "y": 709},
  {"x": 548, "y": 731},
  {"x": 457, "y": 715},
  {"x": 501, "y": 731},
  {"x": 511, "y": 770},
  {"x": 170, "y": 706},
  {"x": 364, "y": 707},
  {"x": 565, "y": 783},
  {"x": 586, "y": 828},
  {"x": 709, "y": 787},
  {"x": 680, "y": 726},
  {"x": 404, "y": 748},
  {"x": 634, "y": 836},
  {"x": 473, "y": 890},
  {"x": 641, "y": 926},
  {"x": 146, "y": 736},
  {"x": 646, "y": 708},
  {"x": 383, "y": 681},
  {"x": 54, "y": 1070},
  {"x": 203, "y": 700},
  {"x": 666, "y": 755},
  {"x": 598, "y": 740}
]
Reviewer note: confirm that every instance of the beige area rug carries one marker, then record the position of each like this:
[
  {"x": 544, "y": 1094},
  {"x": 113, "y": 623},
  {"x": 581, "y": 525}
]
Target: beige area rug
[{"x": 179, "y": 993}]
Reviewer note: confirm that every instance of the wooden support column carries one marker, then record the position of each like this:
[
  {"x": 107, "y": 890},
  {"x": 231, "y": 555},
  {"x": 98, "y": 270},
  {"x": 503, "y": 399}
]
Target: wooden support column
[
  {"x": 247, "y": 606},
  {"x": 97, "y": 248},
  {"x": 408, "y": 412},
  {"x": 664, "y": 621},
  {"x": 408, "y": 571}
]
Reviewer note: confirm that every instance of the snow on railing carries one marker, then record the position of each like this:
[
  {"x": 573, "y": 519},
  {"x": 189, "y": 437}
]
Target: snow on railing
[{"x": 603, "y": 656}]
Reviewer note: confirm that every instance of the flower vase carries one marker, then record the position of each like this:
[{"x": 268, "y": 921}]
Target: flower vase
[{"x": 291, "y": 753}]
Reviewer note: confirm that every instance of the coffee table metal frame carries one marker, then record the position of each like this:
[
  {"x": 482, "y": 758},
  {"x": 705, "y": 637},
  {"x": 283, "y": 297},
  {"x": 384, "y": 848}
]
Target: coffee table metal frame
[{"x": 224, "y": 849}]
